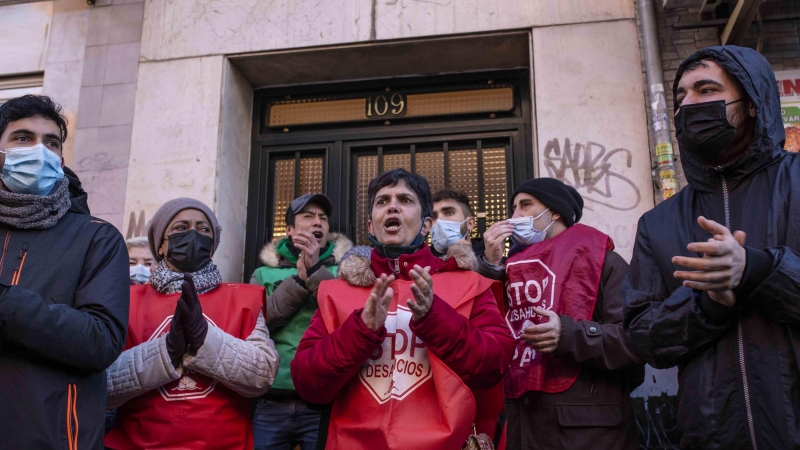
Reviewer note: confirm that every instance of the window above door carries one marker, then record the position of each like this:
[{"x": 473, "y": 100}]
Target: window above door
[{"x": 484, "y": 154}]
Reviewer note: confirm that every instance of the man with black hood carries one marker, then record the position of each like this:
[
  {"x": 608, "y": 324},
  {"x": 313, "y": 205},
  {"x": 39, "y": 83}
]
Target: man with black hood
[
  {"x": 714, "y": 283},
  {"x": 64, "y": 291}
]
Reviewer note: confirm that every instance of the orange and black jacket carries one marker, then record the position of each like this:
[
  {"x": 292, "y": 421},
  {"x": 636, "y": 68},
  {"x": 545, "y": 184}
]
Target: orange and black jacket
[{"x": 64, "y": 295}]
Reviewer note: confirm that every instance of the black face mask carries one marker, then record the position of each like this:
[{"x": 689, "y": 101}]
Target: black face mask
[
  {"x": 189, "y": 251},
  {"x": 703, "y": 130}
]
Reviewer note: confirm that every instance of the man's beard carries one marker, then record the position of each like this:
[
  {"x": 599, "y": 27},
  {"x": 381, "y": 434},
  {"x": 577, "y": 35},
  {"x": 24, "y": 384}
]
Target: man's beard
[{"x": 741, "y": 143}]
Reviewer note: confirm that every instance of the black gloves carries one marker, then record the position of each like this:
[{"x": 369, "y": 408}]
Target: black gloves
[
  {"x": 188, "y": 327},
  {"x": 195, "y": 326},
  {"x": 176, "y": 339}
]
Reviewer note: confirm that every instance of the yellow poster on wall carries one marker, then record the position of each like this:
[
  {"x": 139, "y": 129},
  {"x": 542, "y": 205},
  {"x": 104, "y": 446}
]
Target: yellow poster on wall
[{"x": 789, "y": 88}]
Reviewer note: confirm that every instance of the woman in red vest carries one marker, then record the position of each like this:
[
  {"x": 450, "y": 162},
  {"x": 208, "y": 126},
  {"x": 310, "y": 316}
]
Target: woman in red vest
[
  {"x": 197, "y": 348},
  {"x": 400, "y": 361}
]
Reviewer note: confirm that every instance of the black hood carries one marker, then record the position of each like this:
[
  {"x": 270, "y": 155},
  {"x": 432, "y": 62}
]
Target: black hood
[
  {"x": 78, "y": 197},
  {"x": 755, "y": 74}
]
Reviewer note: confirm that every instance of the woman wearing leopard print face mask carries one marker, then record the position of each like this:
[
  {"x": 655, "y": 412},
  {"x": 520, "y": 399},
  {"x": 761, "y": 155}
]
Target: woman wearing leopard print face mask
[{"x": 197, "y": 349}]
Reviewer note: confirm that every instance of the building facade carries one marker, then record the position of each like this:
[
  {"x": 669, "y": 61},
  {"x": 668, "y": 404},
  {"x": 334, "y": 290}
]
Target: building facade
[{"x": 245, "y": 104}]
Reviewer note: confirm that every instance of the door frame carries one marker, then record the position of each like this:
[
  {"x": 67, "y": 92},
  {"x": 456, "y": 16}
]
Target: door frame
[{"x": 338, "y": 140}]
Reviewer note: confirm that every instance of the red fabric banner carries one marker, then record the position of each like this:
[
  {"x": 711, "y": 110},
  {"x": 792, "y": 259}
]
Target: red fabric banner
[
  {"x": 561, "y": 274},
  {"x": 403, "y": 396},
  {"x": 195, "y": 411}
]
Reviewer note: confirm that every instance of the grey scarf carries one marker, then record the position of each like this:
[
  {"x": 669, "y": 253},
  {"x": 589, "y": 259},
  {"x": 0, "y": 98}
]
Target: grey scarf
[
  {"x": 166, "y": 281},
  {"x": 35, "y": 212}
]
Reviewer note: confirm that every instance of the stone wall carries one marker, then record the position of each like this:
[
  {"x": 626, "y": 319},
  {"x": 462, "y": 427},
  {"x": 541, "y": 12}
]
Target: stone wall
[
  {"x": 590, "y": 122},
  {"x": 193, "y": 33},
  {"x": 158, "y": 112},
  {"x": 53, "y": 43},
  {"x": 107, "y": 95}
]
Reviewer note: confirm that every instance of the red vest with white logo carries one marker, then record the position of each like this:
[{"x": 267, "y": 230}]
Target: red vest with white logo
[
  {"x": 195, "y": 411},
  {"x": 561, "y": 274},
  {"x": 403, "y": 397}
]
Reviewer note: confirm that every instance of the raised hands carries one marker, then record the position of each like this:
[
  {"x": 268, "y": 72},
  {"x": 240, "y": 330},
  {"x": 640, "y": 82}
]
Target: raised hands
[
  {"x": 195, "y": 326},
  {"x": 377, "y": 307},
  {"x": 309, "y": 256},
  {"x": 188, "y": 328},
  {"x": 422, "y": 290},
  {"x": 176, "y": 338},
  {"x": 721, "y": 267},
  {"x": 494, "y": 239}
]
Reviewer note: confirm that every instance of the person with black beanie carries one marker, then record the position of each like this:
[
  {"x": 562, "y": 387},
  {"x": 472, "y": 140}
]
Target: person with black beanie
[
  {"x": 561, "y": 200},
  {"x": 564, "y": 307}
]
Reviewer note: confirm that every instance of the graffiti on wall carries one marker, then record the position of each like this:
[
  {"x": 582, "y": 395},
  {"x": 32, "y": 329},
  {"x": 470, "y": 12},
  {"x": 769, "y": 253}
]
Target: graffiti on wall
[
  {"x": 136, "y": 228},
  {"x": 598, "y": 173},
  {"x": 590, "y": 168}
]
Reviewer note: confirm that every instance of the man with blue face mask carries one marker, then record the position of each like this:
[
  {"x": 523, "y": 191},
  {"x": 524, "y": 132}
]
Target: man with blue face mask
[
  {"x": 453, "y": 221},
  {"x": 64, "y": 289},
  {"x": 564, "y": 306}
]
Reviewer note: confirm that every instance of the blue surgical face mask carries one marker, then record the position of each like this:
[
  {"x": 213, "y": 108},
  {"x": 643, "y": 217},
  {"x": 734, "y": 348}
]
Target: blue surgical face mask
[
  {"x": 525, "y": 233},
  {"x": 140, "y": 274},
  {"x": 31, "y": 170},
  {"x": 446, "y": 233}
]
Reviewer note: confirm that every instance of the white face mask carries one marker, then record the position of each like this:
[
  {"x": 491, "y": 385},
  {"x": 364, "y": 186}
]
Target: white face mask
[
  {"x": 140, "y": 273},
  {"x": 525, "y": 233},
  {"x": 446, "y": 233}
]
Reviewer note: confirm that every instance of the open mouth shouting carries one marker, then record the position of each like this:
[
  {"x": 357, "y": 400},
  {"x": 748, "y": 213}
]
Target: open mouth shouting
[
  {"x": 317, "y": 235},
  {"x": 392, "y": 225}
]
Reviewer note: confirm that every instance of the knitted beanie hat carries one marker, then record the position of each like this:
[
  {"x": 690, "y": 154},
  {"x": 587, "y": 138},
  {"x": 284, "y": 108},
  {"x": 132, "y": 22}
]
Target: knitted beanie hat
[
  {"x": 161, "y": 219},
  {"x": 559, "y": 197}
]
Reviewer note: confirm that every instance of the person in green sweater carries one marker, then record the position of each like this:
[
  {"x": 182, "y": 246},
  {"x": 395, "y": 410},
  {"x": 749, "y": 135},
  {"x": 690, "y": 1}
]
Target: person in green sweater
[{"x": 294, "y": 266}]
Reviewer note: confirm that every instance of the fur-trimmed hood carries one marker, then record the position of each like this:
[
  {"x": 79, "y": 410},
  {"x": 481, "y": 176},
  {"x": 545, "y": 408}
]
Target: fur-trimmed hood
[
  {"x": 270, "y": 257},
  {"x": 355, "y": 267}
]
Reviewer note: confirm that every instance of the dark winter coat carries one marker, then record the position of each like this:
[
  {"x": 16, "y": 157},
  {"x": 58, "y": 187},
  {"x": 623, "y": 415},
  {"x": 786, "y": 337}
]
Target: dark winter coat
[
  {"x": 739, "y": 379},
  {"x": 596, "y": 411},
  {"x": 78, "y": 197},
  {"x": 61, "y": 326}
]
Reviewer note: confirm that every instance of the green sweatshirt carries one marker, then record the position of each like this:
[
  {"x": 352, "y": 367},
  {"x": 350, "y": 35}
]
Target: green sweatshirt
[{"x": 287, "y": 338}]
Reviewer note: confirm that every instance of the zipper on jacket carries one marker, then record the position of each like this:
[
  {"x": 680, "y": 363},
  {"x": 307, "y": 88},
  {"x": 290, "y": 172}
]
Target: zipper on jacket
[
  {"x": 396, "y": 266},
  {"x": 72, "y": 416},
  {"x": 747, "y": 406},
  {"x": 17, "y": 273},
  {"x": 739, "y": 333}
]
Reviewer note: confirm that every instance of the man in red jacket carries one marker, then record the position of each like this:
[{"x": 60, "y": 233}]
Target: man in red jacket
[{"x": 400, "y": 361}]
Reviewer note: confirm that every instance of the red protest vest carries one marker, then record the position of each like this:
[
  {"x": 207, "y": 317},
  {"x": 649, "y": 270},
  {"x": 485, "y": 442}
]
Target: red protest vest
[
  {"x": 195, "y": 411},
  {"x": 403, "y": 397},
  {"x": 561, "y": 274}
]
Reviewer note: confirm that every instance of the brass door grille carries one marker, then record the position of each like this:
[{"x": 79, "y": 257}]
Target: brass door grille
[
  {"x": 294, "y": 176},
  {"x": 479, "y": 172}
]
